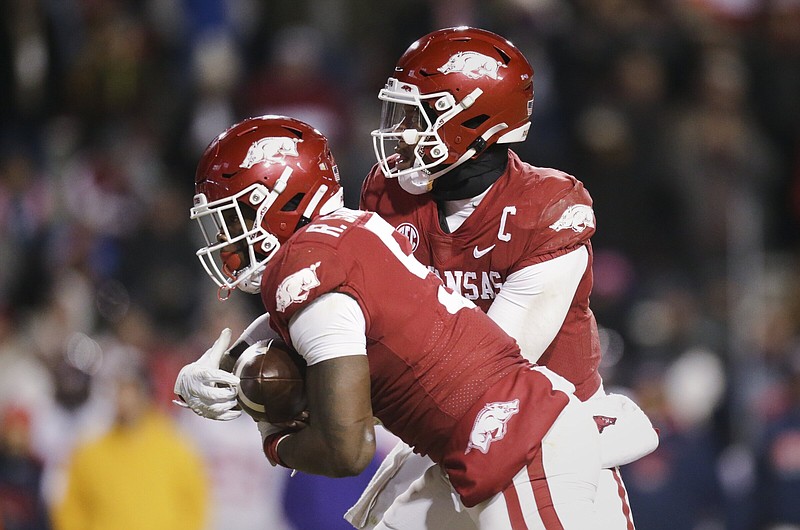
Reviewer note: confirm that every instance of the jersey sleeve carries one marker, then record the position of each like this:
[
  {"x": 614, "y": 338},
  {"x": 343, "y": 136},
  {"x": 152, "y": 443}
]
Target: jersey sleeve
[
  {"x": 371, "y": 190},
  {"x": 329, "y": 327},
  {"x": 566, "y": 221},
  {"x": 305, "y": 273}
]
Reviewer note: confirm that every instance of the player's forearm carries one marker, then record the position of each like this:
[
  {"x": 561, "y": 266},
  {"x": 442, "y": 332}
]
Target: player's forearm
[
  {"x": 342, "y": 454},
  {"x": 340, "y": 437}
]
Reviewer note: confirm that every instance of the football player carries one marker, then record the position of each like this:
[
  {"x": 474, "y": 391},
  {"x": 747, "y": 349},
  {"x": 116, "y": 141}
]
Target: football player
[
  {"x": 384, "y": 338},
  {"x": 511, "y": 237}
]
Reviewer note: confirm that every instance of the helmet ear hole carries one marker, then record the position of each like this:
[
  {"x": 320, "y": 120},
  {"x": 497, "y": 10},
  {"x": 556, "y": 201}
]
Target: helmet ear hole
[
  {"x": 475, "y": 121},
  {"x": 292, "y": 204}
]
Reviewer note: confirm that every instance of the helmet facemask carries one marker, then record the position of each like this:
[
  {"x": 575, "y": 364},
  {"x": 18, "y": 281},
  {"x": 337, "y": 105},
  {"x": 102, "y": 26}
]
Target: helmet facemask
[
  {"x": 230, "y": 228},
  {"x": 408, "y": 145},
  {"x": 417, "y": 156}
]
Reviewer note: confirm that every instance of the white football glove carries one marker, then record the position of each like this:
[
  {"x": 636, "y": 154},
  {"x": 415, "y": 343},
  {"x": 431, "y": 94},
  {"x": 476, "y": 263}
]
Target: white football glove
[
  {"x": 206, "y": 389},
  {"x": 626, "y": 433}
]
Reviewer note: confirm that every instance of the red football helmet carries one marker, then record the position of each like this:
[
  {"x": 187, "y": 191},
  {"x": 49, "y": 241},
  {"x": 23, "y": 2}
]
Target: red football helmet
[
  {"x": 454, "y": 92},
  {"x": 256, "y": 184}
]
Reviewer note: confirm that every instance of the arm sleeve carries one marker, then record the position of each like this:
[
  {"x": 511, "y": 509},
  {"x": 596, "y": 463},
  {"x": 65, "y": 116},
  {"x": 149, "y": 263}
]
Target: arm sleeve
[
  {"x": 259, "y": 329},
  {"x": 331, "y": 326},
  {"x": 533, "y": 302}
]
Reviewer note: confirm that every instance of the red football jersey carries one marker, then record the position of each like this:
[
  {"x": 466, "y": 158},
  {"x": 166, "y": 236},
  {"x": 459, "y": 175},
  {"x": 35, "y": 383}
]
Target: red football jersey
[
  {"x": 436, "y": 361},
  {"x": 530, "y": 215}
]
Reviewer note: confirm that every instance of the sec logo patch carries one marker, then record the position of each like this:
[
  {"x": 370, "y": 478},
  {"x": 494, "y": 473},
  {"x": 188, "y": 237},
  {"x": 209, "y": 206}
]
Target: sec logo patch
[{"x": 411, "y": 233}]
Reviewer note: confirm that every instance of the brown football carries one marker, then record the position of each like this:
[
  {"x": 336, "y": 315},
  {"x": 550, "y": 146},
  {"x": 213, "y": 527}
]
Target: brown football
[{"x": 271, "y": 381}]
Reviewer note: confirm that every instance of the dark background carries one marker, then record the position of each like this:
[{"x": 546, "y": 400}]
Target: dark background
[{"x": 681, "y": 117}]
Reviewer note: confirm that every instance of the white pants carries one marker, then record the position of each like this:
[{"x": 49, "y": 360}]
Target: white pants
[
  {"x": 557, "y": 488},
  {"x": 401, "y": 467}
]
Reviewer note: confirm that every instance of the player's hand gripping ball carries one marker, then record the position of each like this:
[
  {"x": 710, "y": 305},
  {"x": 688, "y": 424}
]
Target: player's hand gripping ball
[{"x": 271, "y": 381}]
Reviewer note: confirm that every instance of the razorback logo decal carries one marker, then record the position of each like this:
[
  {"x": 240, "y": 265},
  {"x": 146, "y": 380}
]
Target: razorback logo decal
[
  {"x": 577, "y": 217},
  {"x": 473, "y": 65},
  {"x": 603, "y": 422},
  {"x": 271, "y": 148},
  {"x": 491, "y": 424},
  {"x": 296, "y": 287}
]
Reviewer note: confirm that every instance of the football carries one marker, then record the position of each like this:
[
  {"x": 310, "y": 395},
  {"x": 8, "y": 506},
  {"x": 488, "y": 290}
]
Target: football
[{"x": 271, "y": 381}]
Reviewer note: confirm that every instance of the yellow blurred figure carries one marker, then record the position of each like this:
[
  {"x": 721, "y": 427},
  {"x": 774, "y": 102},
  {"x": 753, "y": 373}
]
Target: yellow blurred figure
[{"x": 141, "y": 475}]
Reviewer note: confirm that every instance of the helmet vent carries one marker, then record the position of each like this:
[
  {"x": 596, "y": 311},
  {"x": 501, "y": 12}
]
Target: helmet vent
[
  {"x": 506, "y": 59},
  {"x": 292, "y": 130},
  {"x": 293, "y": 203},
  {"x": 247, "y": 131},
  {"x": 475, "y": 121}
]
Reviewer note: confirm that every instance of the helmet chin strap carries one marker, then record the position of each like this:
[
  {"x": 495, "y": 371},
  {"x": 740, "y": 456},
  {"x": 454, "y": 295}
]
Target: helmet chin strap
[
  {"x": 247, "y": 279},
  {"x": 469, "y": 153},
  {"x": 412, "y": 183},
  {"x": 250, "y": 284},
  {"x": 415, "y": 183},
  {"x": 419, "y": 182}
]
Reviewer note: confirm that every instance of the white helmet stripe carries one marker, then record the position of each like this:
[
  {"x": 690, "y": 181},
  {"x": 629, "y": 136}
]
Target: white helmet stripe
[
  {"x": 277, "y": 189},
  {"x": 309, "y": 211}
]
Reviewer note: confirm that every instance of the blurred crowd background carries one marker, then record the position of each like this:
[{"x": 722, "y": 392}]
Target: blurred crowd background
[{"x": 682, "y": 117}]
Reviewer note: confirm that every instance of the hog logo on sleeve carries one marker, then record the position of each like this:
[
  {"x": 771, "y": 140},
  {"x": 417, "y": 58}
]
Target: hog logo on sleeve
[
  {"x": 577, "y": 217},
  {"x": 271, "y": 148},
  {"x": 473, "y": 65},
  {"x": 295, "y": 287},
  {"x": 490, "y": 424},
  {"x": 603, "y": 422}
]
